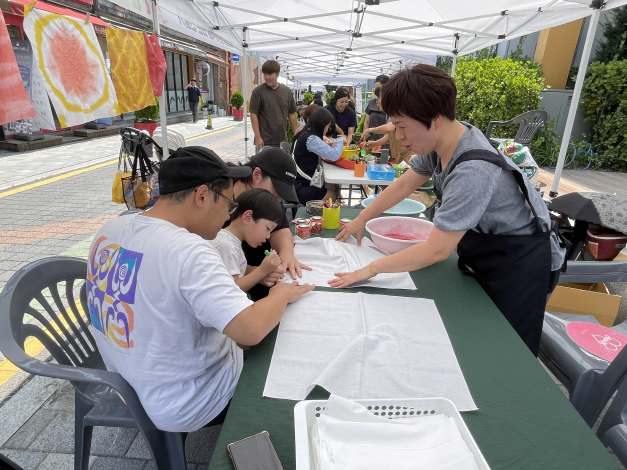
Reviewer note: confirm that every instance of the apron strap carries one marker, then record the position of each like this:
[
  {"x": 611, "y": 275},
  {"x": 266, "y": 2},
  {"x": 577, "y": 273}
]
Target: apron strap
[{"x": 498, "y": 160}]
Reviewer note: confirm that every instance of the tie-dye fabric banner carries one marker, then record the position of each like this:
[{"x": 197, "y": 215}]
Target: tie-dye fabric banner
[
  {"x": 157, "y": 65},
  {"x": 129, "y": 69},
  {"x": 14, "y": 102},
  {"x": 69, "y": 58}
]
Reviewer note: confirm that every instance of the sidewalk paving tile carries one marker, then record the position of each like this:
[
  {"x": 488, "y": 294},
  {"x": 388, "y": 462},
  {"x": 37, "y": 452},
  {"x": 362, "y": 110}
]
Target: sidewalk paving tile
[
  {"x": 112, "y": 442},
  {"x": 112, "y": 463},
  {"x": 36, "y": 424},
  {"x": 26, "y": 459},
  {"x": 58, "y": 436},
  {"x": 21, "y": 406},
  {"x": 61, "y": 462}
]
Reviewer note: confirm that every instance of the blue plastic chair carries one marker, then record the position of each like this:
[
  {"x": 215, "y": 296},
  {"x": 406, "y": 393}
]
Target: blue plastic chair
[{"x": 41, "y": 301}]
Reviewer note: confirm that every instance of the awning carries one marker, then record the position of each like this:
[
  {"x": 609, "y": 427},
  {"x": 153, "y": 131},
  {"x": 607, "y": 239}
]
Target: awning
[
  {"x": 18, "y": 8},
  {"x": 217, "y": 60}
]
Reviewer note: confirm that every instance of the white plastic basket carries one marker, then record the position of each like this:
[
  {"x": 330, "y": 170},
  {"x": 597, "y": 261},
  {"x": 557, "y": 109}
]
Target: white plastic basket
[{"x": 306, "y": 412}]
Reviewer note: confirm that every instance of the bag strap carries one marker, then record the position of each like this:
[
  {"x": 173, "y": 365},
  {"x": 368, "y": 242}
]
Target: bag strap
[
  {"x": 145, "y": 164},
  {"x": 498, "y": 160},
  {"x": 299, "y": 171}
]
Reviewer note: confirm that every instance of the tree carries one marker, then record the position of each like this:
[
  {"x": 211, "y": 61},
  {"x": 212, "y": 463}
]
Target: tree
[{"x": 615, "y": 32}]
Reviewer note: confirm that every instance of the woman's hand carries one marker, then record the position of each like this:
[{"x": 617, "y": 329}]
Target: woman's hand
[
  {"x": 347, "y": 279},
  {"x": 355, "y": 227},
  {"x": 364, "y": 135},
  {"x": 294, "y": 266}
]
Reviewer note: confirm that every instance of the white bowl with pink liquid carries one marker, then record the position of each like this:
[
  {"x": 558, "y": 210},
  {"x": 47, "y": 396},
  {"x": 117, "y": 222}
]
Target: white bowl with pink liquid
[{"x": 393, "y": 234}]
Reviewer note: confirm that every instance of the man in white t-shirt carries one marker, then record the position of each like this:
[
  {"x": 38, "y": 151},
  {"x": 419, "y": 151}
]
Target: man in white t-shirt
[{"x": 165, "y": 312}]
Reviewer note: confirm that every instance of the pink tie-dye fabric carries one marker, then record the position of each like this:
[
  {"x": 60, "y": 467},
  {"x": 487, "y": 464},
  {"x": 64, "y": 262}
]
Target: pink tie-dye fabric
[{"x": 14, "y": 103}]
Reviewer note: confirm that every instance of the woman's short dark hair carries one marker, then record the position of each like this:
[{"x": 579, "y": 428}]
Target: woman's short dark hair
[
  {"x": 270, "y": 66},
  {"x": 318, "y": 101},
  {"x": 340, "y": 93},
  {"x": 263, "y": 204},
  {"x": 423, "y": 93},
  {"x": 377, "y": 91}
]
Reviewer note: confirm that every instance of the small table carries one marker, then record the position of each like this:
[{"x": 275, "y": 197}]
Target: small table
[
  {"x": 336, "y": 175},
  {"x": 523, "y": 422}
]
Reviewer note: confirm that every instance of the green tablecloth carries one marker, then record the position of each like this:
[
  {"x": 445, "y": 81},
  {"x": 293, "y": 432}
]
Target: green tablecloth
[{"x": 523, "y": 422}]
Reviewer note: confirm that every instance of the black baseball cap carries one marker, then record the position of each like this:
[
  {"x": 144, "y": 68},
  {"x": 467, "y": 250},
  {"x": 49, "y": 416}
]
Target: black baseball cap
[
  {"x": 281, "y": 168},
  {"x": 189, "y": 167}
]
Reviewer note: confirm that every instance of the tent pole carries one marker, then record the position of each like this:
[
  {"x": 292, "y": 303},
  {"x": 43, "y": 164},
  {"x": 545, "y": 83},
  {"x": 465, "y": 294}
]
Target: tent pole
[
  {"x": 243, "y": 61},
  {"x": 163, "y": 102},
  {"x": 259, "y": 70},
  {"x": 581, "y": 74},
  {"x": 455, "y": 44}
]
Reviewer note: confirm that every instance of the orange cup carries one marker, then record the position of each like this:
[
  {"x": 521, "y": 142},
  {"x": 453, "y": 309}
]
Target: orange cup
[{"x": 360, "y": 169}]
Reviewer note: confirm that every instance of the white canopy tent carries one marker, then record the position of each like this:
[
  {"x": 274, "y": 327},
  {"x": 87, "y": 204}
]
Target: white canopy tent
[{"x": 358, "y": 28}]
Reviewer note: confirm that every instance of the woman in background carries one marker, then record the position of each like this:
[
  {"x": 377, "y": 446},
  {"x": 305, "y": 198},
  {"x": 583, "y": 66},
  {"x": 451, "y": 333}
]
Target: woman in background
[{"x": 309, "y": 147}]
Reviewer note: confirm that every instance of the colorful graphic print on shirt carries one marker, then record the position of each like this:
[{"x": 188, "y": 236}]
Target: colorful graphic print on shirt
[{"x": 111, "y": 283}]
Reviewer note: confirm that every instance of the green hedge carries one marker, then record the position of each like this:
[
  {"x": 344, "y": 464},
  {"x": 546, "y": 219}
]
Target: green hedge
[
  {"x": 496, "y": 90},
  {"x": 604, "y": 104}
]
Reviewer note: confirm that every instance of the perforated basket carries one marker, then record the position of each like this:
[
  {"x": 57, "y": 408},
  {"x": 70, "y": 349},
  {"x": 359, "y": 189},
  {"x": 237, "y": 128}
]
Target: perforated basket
[{"x": 306, "y": 412}]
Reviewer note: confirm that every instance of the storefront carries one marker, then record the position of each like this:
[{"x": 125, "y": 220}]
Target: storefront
[{"x": 177, "y": 78}]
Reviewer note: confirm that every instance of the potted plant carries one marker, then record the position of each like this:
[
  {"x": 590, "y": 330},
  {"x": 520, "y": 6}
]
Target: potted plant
[
  {"x": 308, "y": 98},
  {"x": 237, "y": 100},
  {"x": 147, "y": 119}
]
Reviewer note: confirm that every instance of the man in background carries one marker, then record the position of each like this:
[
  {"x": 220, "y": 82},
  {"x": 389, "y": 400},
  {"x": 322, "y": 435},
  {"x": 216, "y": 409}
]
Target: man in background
[
  {"x": 271, "y": 103},
  {"x": 193, "y": 93},
  {"x": 375, "y": 116}
]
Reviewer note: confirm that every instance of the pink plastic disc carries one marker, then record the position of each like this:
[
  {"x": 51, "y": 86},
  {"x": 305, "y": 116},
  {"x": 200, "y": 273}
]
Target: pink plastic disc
[{"x": 596, "y": 339}]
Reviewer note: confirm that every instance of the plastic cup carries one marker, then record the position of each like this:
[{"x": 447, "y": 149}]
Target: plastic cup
[
  {"x": 331, "y": 218},
  {"x": 360, "y": 169}
]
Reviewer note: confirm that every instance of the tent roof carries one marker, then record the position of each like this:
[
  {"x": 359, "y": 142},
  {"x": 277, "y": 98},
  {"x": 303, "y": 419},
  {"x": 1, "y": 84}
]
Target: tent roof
[
  {"x": 344, "y": 65},
  {"x": 395, "y": 26}
]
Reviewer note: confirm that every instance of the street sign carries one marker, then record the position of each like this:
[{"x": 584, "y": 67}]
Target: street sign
[{"x": 235, "y": 59}]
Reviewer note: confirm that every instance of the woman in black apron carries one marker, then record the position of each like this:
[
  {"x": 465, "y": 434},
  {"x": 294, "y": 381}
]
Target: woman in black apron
[{"x": 488, "y": 211}]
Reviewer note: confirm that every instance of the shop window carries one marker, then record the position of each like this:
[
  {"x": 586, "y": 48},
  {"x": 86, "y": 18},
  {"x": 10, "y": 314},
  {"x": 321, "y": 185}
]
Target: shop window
[{"x": 14, "y": 32}]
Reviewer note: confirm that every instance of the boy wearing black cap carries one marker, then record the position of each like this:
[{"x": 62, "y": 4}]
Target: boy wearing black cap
[
  {"x": 165, "y": 312},
  {"x": 275, "y": 171}
]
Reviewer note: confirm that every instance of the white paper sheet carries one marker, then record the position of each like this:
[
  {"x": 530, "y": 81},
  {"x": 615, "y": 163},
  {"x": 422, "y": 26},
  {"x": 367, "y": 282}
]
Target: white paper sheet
[
  {"x": 365, "y": 346},
  {"x": 346, "y": 436},
  {"x": 327, "y": 257}
]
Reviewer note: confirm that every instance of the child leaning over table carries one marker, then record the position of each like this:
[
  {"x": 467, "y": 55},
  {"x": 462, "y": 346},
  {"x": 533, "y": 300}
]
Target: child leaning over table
[{"x": 256, "y": 216}]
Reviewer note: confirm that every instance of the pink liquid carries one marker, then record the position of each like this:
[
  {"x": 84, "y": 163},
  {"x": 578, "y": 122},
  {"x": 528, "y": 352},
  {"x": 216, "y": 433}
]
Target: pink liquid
[{"x": 402, "y": 236}]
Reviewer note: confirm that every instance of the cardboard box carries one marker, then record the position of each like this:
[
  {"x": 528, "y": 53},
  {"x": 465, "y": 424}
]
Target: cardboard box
[
  {"x": 585, "y": 299},
  {"x": 622, "y": 256}
]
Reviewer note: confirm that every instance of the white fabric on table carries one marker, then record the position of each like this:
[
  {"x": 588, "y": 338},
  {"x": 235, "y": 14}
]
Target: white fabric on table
[
  {"x": 327, "y": 257},
  {"x": 348, "y": 436},
  {"x": 365, "y": 346}
]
